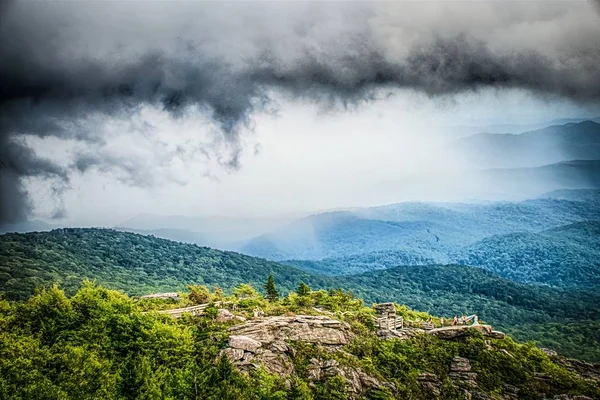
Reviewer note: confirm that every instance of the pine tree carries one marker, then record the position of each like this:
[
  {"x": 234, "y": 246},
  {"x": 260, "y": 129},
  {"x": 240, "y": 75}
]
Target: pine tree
[
  {"x": 272, "y": 293},
  {"x": 303, "y": 289}
]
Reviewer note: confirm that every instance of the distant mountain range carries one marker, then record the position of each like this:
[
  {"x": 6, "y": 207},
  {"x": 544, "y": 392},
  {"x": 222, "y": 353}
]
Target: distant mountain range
[
  {"x": 467, "y": 130},
  {"x": 544, "y": 241},
  {"x": 549, "y": 145},
  {"x": 141, "y": 264},
  {"x": 220, "y": 232},
  {"x": 531, "y": 181}
]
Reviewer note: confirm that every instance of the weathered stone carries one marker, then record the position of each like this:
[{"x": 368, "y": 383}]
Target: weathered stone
[
  {"x": 385, "y": 308},
  {"x": 356, "y": 380},
  {"x": 279, "y": 346},
  {"x": 274, "y": 363},
  {"x": 459, "y": 372},
  {"x": 548, "y": 352},
  {"x": 453, "y": 332},
  {"x": 497, "y": 335},
  {"x": 401, "y": 334},
  {"x": 584, "y": 369},
  {"x": 510, "y": 392},
  {"x": 233, "y": 354},
  {"x": 245, "y": 343},
  {"x": 305, "y": 328},
  {"x": 460, "y": 364},
  {"x": 430, "y": 383},
  {"x": 507, "y": 353},
  {"x": 224, "y": 315},
  {"x": 330, "y": 364}
]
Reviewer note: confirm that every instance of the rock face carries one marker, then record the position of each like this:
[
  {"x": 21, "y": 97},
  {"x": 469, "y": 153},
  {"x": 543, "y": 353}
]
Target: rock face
[
  {"x": 357, "y": 381},
  {"x": 263, "y": 341},
  {"x": 586, "y": 370},
  {"x": 304, "y": 328},
  {"x": 453, "y": 332},
  {"x": 460, "y": 372},
  {"x": 402, "y": 334},
  {"x": 430, "y": 383}
]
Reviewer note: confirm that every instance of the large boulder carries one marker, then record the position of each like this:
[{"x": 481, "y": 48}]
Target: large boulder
[
  {"x": 244, "y": 343},
  {"x": 264, "y": 342},
  {"x": 454, "y": 332},
  {"x": 356, "y": 380},
  {"x": 304, "y": 328},
  {"x": 460, "y": 372}
]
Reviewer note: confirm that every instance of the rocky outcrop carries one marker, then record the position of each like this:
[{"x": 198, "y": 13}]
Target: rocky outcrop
[
  {"x": 460, "y": 372},
  {"x": 585, "y": 370},
  {"x": 454, "y": 332},
  {"x": 305, "y": 328},
  {"x": 510, "y": 392},
  {"x": 430, "y": 383},
  {"x": 402, "y": 334},
  {"x": 264, "y": 341},
  {"x": 548, "y": 352},
  {"x": 356, "y": 380}
]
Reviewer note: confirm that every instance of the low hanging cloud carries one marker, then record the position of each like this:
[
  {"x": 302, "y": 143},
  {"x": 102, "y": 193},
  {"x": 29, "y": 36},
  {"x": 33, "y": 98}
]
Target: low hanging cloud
[{"x": 62, "y": 62}]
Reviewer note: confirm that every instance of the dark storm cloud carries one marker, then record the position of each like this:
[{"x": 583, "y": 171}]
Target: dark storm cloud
[{"x": 46, "y": 90}]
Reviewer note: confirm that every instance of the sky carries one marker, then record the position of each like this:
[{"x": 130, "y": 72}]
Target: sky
[{"x": 110, "y": 109}]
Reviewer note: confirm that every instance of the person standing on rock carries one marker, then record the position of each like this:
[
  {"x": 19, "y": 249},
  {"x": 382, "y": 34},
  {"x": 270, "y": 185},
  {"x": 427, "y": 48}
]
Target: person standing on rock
[
  {"x": 442, "y": 321},
  {"x": 455, "y": 321}
]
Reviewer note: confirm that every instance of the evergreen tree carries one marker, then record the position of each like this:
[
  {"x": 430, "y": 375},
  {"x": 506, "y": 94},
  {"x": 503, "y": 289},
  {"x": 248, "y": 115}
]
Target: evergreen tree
[
  {"x": 272, "y": 293},
  {"x": 303, "y": 289}
]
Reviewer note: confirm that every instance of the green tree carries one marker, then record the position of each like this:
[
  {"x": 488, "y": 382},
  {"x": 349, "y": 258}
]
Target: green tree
[
  {"x": 199, "y": 294},
  {"x": 272, "y": 293},
  {"x": 303, "y": 289}
]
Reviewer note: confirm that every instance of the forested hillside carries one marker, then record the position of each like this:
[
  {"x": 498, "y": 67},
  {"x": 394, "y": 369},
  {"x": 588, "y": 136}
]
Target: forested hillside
[
  {"x": 567, "y": 256},
  {"x": 140, "y": 264},
  {"x": 568, "y": 320},
  {"x": 134, "y": 263},
  {"x": 101, "y": 344},
  {"x": 564, "y": 256},
  {"x": 433, "y": 230}
]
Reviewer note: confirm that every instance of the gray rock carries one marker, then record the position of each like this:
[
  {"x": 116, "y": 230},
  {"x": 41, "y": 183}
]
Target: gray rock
[
  {"x": 453, "y": 332},
  {"x": 233, "y": 354},
  {"x": 430, "y": 383},
  {"x": 244, "y": 342},
  {"x": 548, "y": 352},
  {"x": 460, "y": 364},
  {"x": 224, "y": 315},
  {"x": 356, "y": 380}
]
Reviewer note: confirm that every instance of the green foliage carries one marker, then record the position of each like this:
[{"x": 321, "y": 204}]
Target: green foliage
[
  {"x": 133, "y": 263},
  {"x": 303, "y": 289},
  {"x": 271, "y": 290},
  {"x": 199, "y": 294},
  {"x": 99, "y": 345},
  {"x": 565, "y": 320}
]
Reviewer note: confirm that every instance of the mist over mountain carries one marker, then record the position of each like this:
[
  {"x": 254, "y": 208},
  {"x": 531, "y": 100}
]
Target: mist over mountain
[
  {"x": 433, "y": 229},
  {"x": 549, "y": 145},
  {"x": 464, "y": 131},
  {"x": 222, "y": 232}
]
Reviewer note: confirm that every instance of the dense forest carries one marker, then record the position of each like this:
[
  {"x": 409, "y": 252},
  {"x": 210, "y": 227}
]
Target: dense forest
[
  {"x": 564, "y": 256},
  {"x": 139, "y": 264},
  {"x": 553, "y": 240},
  {"x": 99, "y": 344},
  {"x": 567, "y": 256}
]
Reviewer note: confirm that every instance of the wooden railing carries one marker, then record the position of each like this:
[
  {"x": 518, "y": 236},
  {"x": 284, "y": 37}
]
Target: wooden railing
[{"x": 399, "y": 323}]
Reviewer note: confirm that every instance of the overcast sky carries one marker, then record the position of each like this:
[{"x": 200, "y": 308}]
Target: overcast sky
[{"x": 110, "y": 109}]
